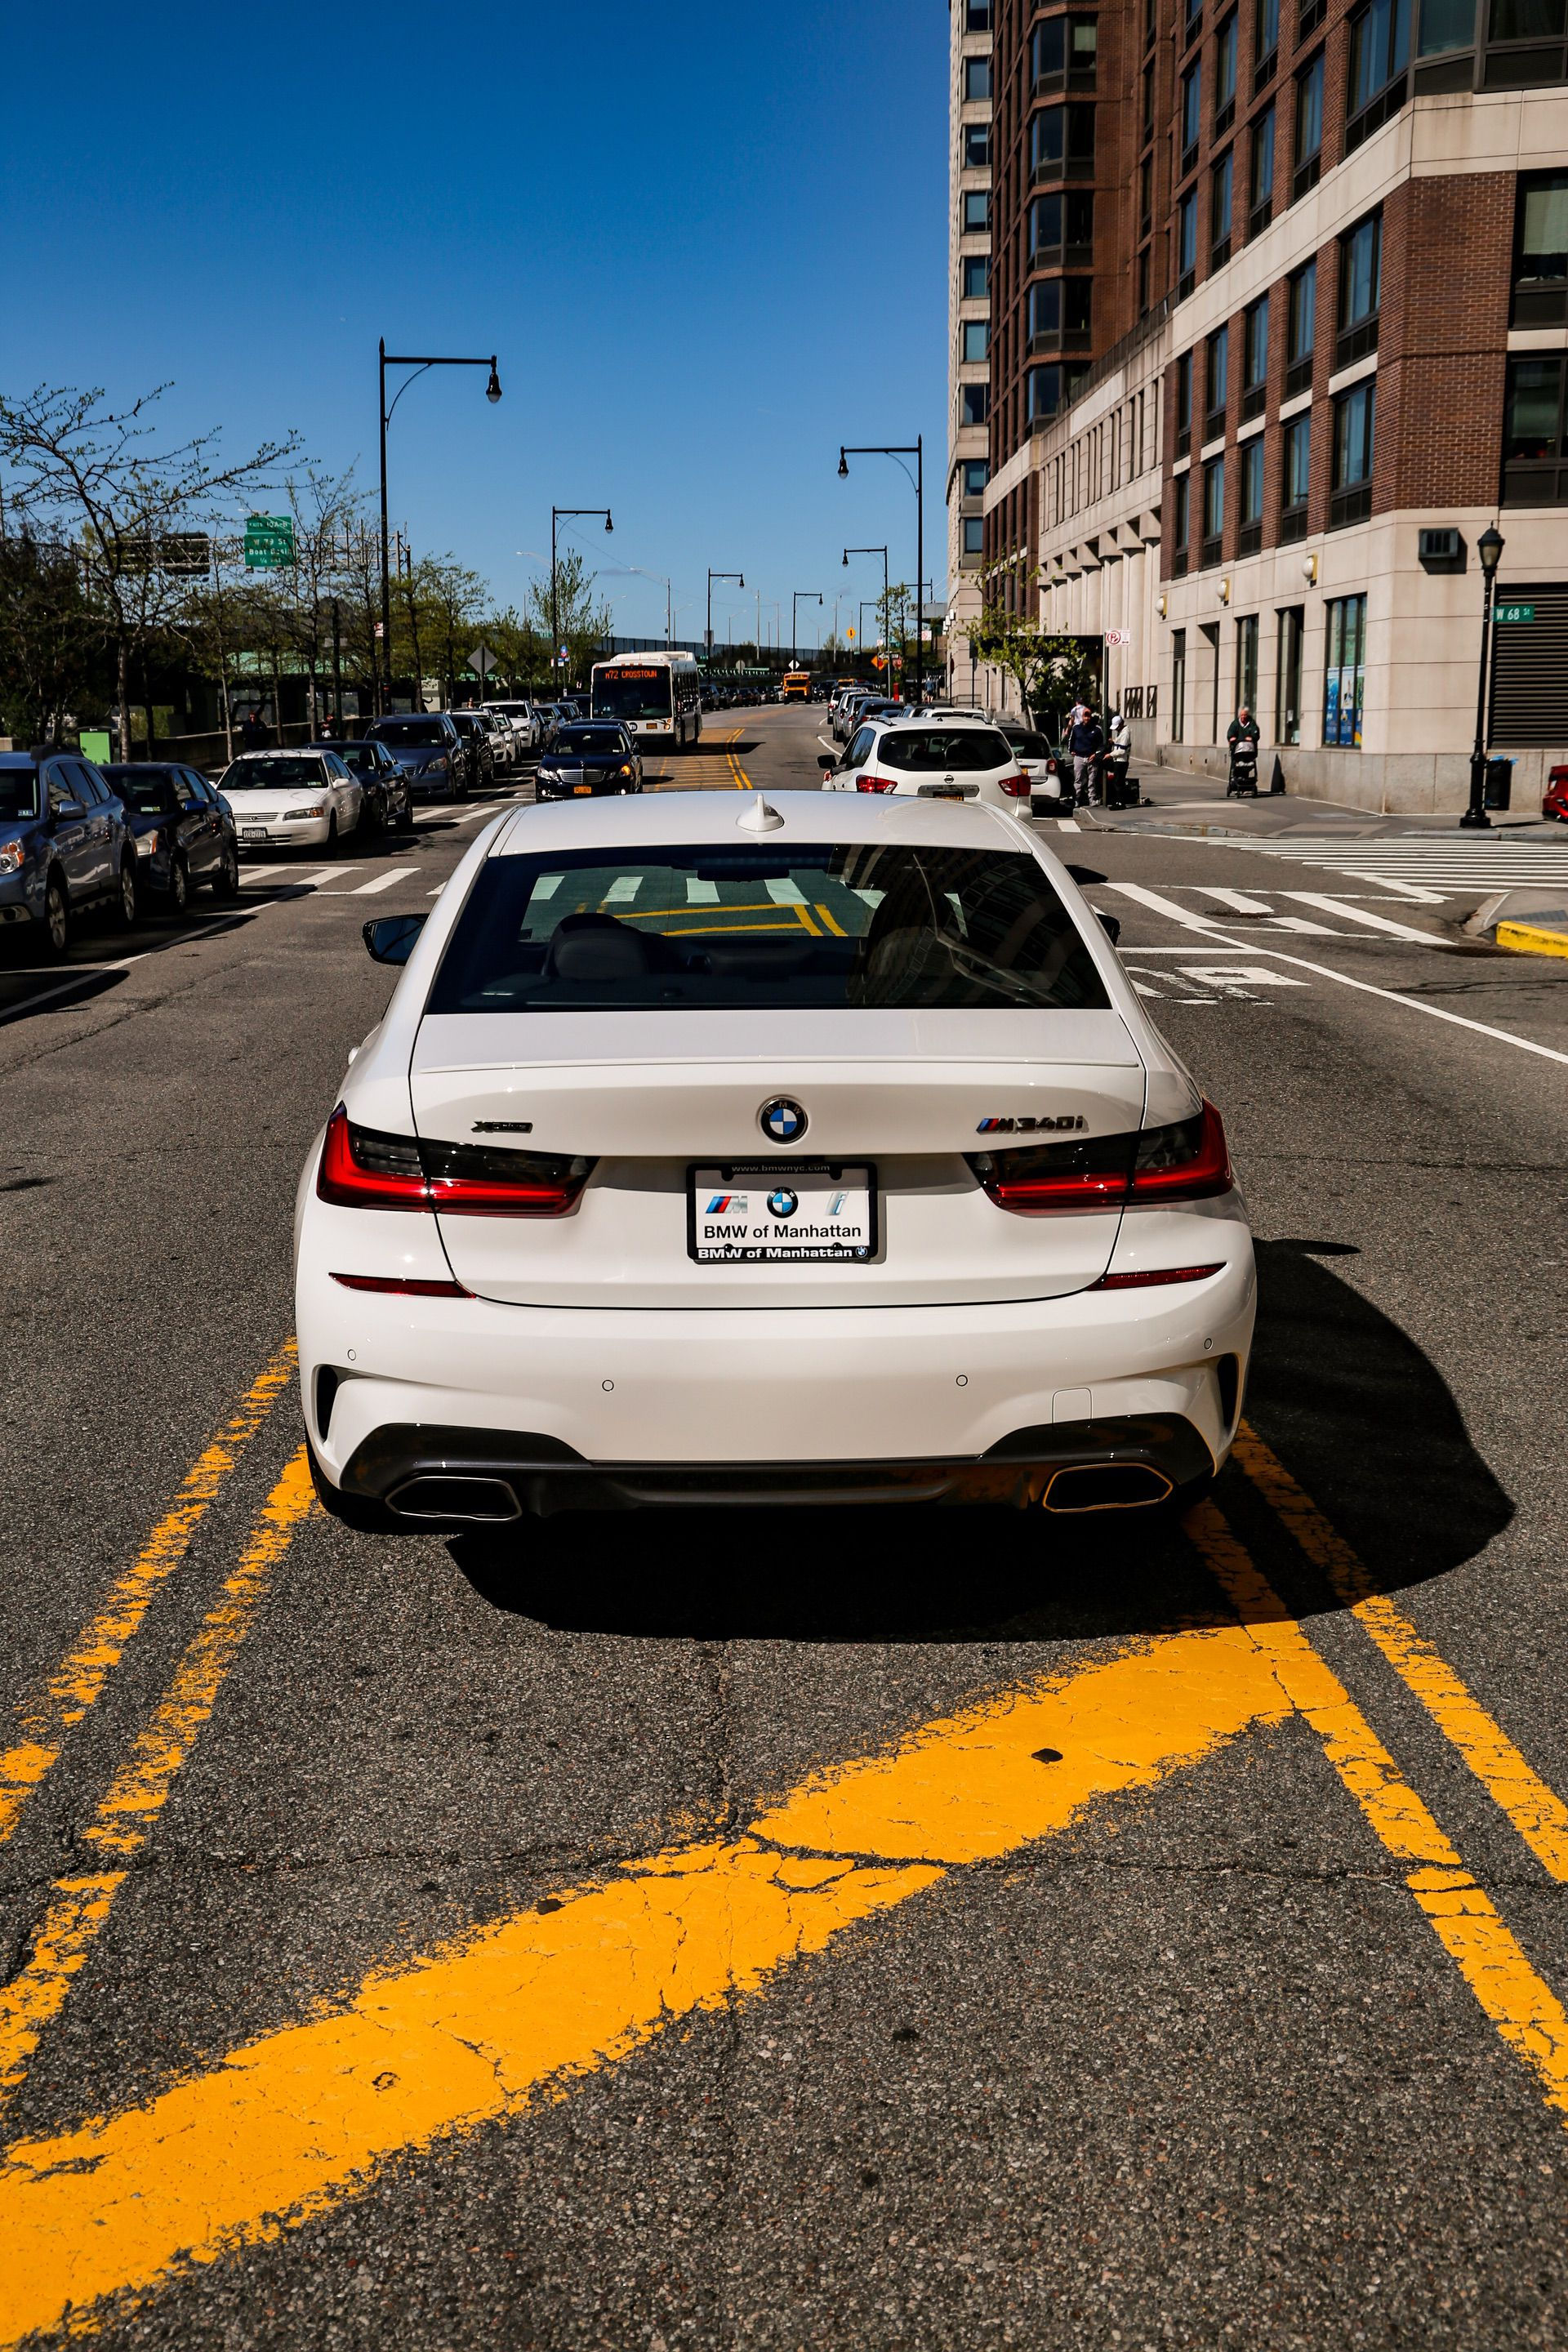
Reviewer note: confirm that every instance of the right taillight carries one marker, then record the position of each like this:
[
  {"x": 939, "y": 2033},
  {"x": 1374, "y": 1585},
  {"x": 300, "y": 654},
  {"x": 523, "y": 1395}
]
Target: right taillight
[
  {"x": 876, "y": 783},
  {"x": 1187, "y": 1162},
  {"x": 1015, "y": 785},
  {"x": 361, "y": 1169}
]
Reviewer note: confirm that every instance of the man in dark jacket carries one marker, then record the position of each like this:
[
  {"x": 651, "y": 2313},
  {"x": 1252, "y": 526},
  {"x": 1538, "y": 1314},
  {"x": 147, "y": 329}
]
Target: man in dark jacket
[
  {"x": 1085, "y": 742},
  {"x": 1243, "y": 728}
]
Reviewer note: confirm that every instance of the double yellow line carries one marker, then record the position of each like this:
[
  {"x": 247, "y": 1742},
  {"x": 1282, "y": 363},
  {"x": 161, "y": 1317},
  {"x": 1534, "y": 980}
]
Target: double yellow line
[
  {"x": 742, "y": 781},
  {"x": 80, "y": 1903}
]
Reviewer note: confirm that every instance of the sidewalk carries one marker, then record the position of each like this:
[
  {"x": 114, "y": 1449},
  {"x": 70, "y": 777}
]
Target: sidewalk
[{"x": 1178, "y": 801}]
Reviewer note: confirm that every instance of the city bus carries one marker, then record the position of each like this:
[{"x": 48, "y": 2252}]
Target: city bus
[
  {"x": 652, "y": 695},
  {"x": 796, "y": 686}
]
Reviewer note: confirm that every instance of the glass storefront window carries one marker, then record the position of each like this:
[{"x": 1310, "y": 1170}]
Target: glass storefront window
[{"x": 1345, "y": 671}]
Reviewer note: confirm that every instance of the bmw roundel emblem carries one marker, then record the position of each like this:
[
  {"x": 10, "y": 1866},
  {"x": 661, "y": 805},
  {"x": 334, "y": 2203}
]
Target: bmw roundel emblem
[
  {"x": 782, "y": 1122},
  {"x": 782, "y": 1203}
]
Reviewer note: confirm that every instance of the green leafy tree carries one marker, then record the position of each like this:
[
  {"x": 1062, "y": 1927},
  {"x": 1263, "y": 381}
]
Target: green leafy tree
[
  {"x": 51, "y": 646},
  {"x": 581, "y": 619},
  {"x": 134, "y": 507},
  {"x": 1050, "y": 672}
]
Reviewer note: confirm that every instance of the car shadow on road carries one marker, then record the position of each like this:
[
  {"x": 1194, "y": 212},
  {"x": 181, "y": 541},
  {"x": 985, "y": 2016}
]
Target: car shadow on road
[{"x": 1364, "y": 1422}]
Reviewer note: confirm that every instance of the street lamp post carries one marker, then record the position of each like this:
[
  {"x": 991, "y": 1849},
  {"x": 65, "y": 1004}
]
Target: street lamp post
[
  {"x": 794, "y": 622},
  {"x": 1488, "y": 547},
  {"x": 420, "y": 363},
  {"x": 901, "y": 451},
  {"x": 883, "y": 553},
  {"x": 864, "y": 602},
  {"x": 643, "y": 574},
  {"x": 556, "y": 514},
  {"x": 738, "y": 576}
]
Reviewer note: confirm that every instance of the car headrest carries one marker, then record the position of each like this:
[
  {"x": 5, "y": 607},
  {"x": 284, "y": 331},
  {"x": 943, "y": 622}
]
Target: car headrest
[{"x": 597, "y": 947}]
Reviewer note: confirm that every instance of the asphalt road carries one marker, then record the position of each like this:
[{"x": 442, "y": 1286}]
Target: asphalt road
[{"x": 799, "y": 1929}]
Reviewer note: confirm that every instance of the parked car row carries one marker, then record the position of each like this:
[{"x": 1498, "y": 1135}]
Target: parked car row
[{"x": 75, "y": 837}]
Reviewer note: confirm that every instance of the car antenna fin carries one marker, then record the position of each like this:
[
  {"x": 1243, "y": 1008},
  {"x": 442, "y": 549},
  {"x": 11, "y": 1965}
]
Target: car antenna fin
[{"x": 761, "y": 817}]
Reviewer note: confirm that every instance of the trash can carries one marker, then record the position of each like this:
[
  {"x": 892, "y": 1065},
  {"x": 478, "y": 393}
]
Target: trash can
[{"x": 1499, "y": 782}]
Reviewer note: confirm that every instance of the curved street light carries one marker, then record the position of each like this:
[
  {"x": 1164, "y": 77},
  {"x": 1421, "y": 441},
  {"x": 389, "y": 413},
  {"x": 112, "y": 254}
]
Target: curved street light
[{"x": 419, "y": 362}]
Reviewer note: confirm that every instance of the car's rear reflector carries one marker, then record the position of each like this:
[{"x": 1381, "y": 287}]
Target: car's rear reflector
[
  {"x": 1186, "y": 1161},
  {"x": 1151, "y": 1277},
  {"x": 390, "y": 1286},
  {"x": 361, "y": 1169}
]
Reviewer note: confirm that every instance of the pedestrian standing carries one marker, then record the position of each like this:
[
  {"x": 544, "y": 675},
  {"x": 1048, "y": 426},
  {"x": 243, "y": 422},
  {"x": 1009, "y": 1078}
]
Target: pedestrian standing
[
  {"x": 253, "y": 732},
  {"x": 1085, "y": 743}
]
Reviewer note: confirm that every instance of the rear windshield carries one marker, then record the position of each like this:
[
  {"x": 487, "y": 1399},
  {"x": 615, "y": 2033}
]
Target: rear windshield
[
  {"x": 847, "y": 924},
  {"x": 149, "y": 795},
  {"x": 418, "y": 731},
  {"x": 1028, "y": 746},
  {"x": 943, "y": 751},
  {"x": 269, "y": 772}
]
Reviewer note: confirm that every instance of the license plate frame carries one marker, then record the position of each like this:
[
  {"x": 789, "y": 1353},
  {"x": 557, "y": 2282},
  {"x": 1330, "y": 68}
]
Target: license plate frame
[
  {"x": 824, "y": 1178},
  {"x": 253, "y": 833}
]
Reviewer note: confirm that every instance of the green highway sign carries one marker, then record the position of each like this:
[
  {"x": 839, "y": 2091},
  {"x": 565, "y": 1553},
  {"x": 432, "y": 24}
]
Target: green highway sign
[
  {"x": 1514, "y": 613},
  {"x": 269, "y": 542}
]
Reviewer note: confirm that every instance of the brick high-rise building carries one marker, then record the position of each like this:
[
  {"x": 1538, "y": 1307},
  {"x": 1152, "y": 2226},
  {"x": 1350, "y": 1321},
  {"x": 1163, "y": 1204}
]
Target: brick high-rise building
[
  {"x": 969, "y": 317},
  {"x": 1279, "y": 325}
]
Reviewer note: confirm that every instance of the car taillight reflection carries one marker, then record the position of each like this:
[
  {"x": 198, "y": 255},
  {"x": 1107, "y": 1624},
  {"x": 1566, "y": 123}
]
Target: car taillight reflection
[
  {"x": 1186, "y": 1161},
  {"x": 361, "y": 1169}
]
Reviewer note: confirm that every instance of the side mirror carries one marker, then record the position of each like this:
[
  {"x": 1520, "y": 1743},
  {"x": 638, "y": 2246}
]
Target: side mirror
[
  {"x": 1112, "y": 926},
  {"x": 389, "y": 938},
  {"x": 68, "y": 808},
  {"x": 826, "y": 763}
]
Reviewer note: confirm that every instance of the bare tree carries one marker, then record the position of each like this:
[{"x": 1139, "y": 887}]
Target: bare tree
[
  {"x": 134, "y": 507},
  {"x": 325, "y": 508}
]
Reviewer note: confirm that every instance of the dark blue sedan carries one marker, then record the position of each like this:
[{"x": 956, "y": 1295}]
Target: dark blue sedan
[
  {"x": 182, "y": 829},
  {"x": 64, "y": 847}
]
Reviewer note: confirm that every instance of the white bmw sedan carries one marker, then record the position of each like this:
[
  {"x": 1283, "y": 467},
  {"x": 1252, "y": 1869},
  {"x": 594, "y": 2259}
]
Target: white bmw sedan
[
  {"x": 714, "y": 1150},
  {"x": 292, "y": 800}
]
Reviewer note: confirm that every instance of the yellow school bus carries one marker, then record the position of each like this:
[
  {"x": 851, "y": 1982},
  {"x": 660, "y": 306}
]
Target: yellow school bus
[{"x": 796, "y": 686}]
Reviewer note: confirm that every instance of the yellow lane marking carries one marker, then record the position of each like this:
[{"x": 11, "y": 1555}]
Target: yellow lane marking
[
  {"x": 742, "y": 782},
  {"x": 1525, "y": 2010},
  {"x": 294, "y": 2122},
  {"x": 79, "y": 1905},
  {"x": 77, "y": 1682},
  {"x": 837, "y": 928},
  {"x": 1536, "y": 1811},
  {"x": 803, "y": 917}
]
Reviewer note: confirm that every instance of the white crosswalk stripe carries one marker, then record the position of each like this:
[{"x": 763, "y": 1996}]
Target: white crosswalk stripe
[
  {"x": 1418, "y": 862},
  {"x": 382, "y": 881}
]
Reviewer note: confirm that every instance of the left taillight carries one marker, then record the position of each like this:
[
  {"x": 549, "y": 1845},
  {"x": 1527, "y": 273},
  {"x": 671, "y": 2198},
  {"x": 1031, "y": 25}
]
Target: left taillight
[
  {"x": 1187, "y": 1161},
  {"x": 876, "y": 783},
  {"x": 362, "y": 1169},
  {"x": 1017, "y": 786}
]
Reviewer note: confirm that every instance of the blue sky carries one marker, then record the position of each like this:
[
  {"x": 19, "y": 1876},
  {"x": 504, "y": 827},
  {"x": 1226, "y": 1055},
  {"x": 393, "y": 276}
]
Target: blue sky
[{"x": 708, "y": 243}]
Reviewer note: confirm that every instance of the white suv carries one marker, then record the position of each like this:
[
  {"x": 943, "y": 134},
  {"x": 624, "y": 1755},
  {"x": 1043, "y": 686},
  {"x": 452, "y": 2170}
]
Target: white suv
[{"x": 933, "y": 760}]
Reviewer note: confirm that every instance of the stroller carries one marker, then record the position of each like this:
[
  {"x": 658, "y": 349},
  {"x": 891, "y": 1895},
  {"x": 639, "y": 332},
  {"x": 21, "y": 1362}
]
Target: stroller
[{"x": 1243, "y": 780}]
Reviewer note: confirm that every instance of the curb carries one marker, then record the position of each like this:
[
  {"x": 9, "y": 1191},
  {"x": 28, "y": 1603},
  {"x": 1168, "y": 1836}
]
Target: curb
[{"x": 1529, "y": 939}]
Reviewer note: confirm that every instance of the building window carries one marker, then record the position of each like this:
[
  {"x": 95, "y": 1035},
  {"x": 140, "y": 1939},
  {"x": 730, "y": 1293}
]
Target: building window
[
  {"x": 977, "y": 212},
  {"x": 976, "y": 474},
  {"x": 1288, "y": 674},
  {"x": 1194, "y": 17},
  {"x": 975, "y": 340},
  {"x": 1535, "y": 431},
  {"x": 1255, "y": 360},
  {"x": 977, "y": 16},
  {"x": 1267, "y": 32},
  {"x": 1061, "y": 143},
  {"x": 1524, "y": 44},
  {"x": 973, "y": 534},
  {"x": 1446, "y": 25},
  {"x": 1309, "y": 128},
  {"x": 1355, "y": 424},
  {"x": 1295, "y": 479},
  {"x": 1181, "y": 521},
  {"x": 974, "y": 404},
  {"x": 1184, "y": 403},
  {"x": 1148, "y": 100},
  {"x": 1057, "y": 311},
  {"x": 1225, "y": 77},
  {"x": 1216, "y": 382},
  {"x": 1178, "y": 684},
  {"x": 977, "y": 78},
  {"x": 1046, "y": 388},
  {"x": 1222, "y": 192},
  {"x": 1304, "y": 328},
  {"x": 1063, "y": 53},
  {"x": 1249, "y": 512},
  {"x": 977, "y": 147},
  {"x": 976, "y": 278},
  {"x": 1246, "y": 663},
  {"x": 1345, "y": 676},
  {"x": 1062, "y": 228},
  {"x": 1192, "y": 113},
  {"x": 1261, "y": 185},
  {"x": 1541, "y": 250},
  {"x": 1186, "y": 244},
  {"x": 1380, "y": 51},
  {"x": 1361, "y": 290},
  {"x": 1214, "y": 512}
]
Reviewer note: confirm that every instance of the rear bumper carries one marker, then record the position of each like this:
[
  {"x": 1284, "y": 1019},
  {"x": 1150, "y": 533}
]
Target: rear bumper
[{"x": 407, "y": 1477}]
